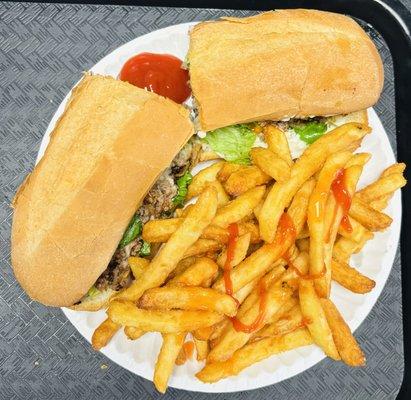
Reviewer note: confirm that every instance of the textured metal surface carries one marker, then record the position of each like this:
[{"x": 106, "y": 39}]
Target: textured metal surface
[{"x": 43, "y": 49}]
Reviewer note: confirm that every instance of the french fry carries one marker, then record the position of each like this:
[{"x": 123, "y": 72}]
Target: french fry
[
  {"x": 240, "y": 251},
  {"x": 196, "y": 274},
  {"x": 189, "y": 298},
  {"x": 202, "y": 246},
  {"x": 203, "y": 178},
  {"x": 380, "y": 203},
  {"x": 357, "y": 232},
  {"x": 201, "y": 348},
  {"x": 345, "y": 342},
  {"x": 299, "y": 205},
  {"x": 270, "y": 164},
  {"x": 288, "y": 322},
  {"x": 169, "y": 351},
  {"x": 381, "y": 187},
  {"x": 316, "y": 218},
  {"x": 171, "y": 321},
  {"x": 252, "y": 353},
  {"x": 316, "y": 320},
  {"x": 239, "y": 208},
  {"x": 209, "y": 155},
  {"x": 304, "y": 233},
  {"x": 246, "y": 178},
  {"x": 306, "y": 166},
  {"x": 137, "y": 265},
  {"x": 173, "y": 251},
  {"x": 369, "y": 217},
  {"x": 277, "y": 143},
  {"x": 332, "y": 221},
  {"x": 227, "y": 169},
  {"x": 350, "y": 278},
  {"x": 303, "y": 244},
  {"x": 104, "y": 333},
  {"x": 133, "y": 333},
  {"x": 358, "y": 159}
]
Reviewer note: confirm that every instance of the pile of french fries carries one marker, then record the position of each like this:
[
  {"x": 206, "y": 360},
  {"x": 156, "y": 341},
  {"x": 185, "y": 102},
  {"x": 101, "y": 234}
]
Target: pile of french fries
[{"x": 182, "y": 292}]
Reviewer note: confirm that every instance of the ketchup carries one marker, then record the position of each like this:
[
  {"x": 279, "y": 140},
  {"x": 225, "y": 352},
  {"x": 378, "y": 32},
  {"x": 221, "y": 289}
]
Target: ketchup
[
  {"x": 159, "y": 73},
  {"x": 292, "y": 267},
  {"x": 188, "y": 349},
  {"x": 232, "y": 241},
  {"x": 259, "y": 321},
  {"x": 286, "y": 229},
  {"x": 342, "y": 198}
]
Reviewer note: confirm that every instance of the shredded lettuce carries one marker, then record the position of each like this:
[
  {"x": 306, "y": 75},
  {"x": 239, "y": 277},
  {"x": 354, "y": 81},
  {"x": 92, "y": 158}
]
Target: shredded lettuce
[
  {"x": 133, "y": 230},
  {"x": 310, "y": 131},
  {"x": 145, "y": 249},
  {"x": 93, "y": 291},
  {"x": 182, "y": 184},
  {"x": 233, "y": 143}
]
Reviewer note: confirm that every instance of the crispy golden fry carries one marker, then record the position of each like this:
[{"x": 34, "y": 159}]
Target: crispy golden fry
[
  {"x": 369, "y": 217},
  {"x": 208, "y": 155},
  {"x": 359, "y": 159},
  {"x": 345, "y": 342},
  {"x": 271, "y": 164},
  {"x": 316, "y": 321},
  {"x": 182, "y": 266},
  {"x": 380, "y": 203},
  {"x": 203, "y": 178},
  {"x": 196, "y": 274},
  {"x": 172, "y": 344},
  {"x": 332, "y": 221},
  {"x": 246, "y": 178},
  {"x": 288, "y": 322},
  {"x": 252, "y": 353},
  {"x": 189, "y": 298},
  {"x": 138, "y": 265},
  {"x": 299, "y": 205},
  {"x": 205, "y": 332},
  {"x": 173, "y": 251},
  {"x": 103, "y": 334},
  {"x": 397, "y": 168},
  {"x": 202, "y": 349},
  {"x": 317, "y": 215},
  {"x": 240, "y": 251},
  {"x": 227, "y": 169},
  {"x": 133, "y": 333},
  {"x": 357, "y": 232},
  {"x": 160, "y": 230},
  {"x": 350, "y": 278},
  {"x": 277, "y": 143},
  {"x": 306, "y": 166},
  {"x": 381, "y": 187},
  {"x": 171, "y": 321},
  {"x": 278, "y": 293},
  {"x": 202, "y": 246},
  {"x": 239, "y": 208}
]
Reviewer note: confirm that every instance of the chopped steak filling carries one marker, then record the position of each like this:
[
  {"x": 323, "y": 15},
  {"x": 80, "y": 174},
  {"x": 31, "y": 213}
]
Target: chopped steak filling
[{"x": 158, "y": 203}]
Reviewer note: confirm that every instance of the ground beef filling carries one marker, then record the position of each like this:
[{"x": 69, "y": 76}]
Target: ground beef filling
[{"x": 158, "y": 203}]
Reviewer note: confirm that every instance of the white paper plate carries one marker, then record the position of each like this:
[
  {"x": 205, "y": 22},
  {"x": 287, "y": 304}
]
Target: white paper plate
[{"x": 374, "y": 261}]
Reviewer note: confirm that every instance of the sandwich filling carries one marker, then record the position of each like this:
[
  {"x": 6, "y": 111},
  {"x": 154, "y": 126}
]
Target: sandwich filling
[{"x": 164, "y": 197}]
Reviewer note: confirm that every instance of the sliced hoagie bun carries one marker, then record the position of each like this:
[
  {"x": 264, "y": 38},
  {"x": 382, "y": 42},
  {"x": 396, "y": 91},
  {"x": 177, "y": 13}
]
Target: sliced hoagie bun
[
  {"x": 105, "y": 152},
  {"x": 281, "y": 64}
]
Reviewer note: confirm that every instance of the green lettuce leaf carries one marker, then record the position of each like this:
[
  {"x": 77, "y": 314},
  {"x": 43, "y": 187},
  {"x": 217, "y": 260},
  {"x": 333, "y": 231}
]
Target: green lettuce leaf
[
  {"x": 233, "y": 143},
  {"x": 133, "y": 230},
  {"x": 182, "y": 184},
  {"x": 93, "y": 291},
  {"x": 145, "y": 249},
  {"x": 310, "y": 131}
]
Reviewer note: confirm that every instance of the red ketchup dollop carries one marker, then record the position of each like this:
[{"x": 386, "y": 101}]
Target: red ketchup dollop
[
  {"x": 232, "y": 241},
  {"x": 159, "y": 73}
]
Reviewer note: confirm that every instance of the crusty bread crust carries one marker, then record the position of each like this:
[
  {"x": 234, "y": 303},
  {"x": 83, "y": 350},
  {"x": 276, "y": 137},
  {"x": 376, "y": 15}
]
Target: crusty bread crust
[
  {"x": 282, "y": 64},
  {"x": 106, "y": 151}
]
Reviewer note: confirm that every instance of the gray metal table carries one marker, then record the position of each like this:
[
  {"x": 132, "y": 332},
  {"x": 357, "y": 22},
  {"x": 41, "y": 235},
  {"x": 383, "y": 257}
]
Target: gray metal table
[{"x": 43, "y": 50}]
